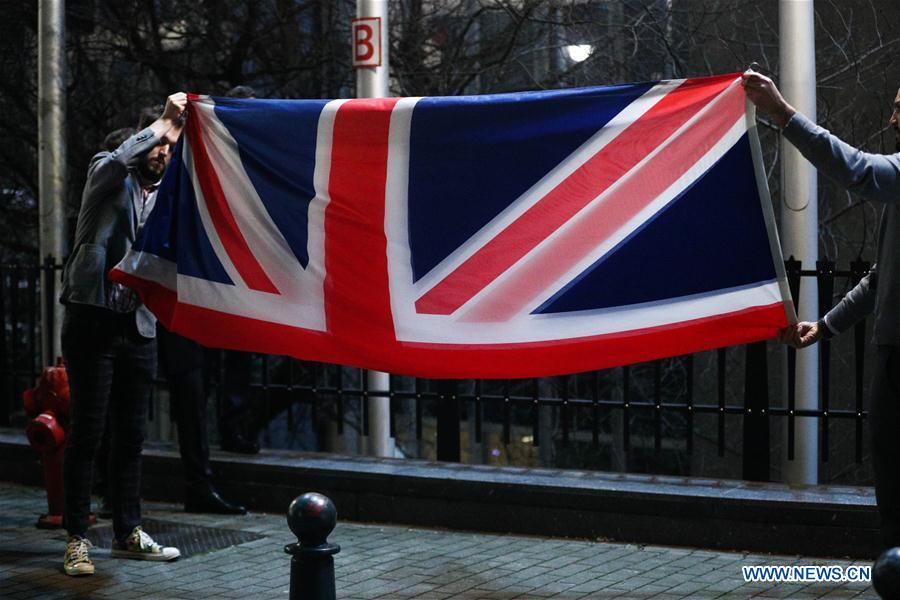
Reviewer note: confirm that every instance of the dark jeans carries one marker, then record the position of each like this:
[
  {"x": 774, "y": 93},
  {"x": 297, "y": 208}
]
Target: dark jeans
[
  {"x": 884, "y": 417},
  {"x": 110, "y": 368}
]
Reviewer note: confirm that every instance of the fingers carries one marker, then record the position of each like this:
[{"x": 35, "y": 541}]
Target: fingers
[
  {"x": 790, "y": 336},
  {"x": 809, "y": 334},
  {"x": 756, "y": 85},
  {"x": 762, "y": 92},
  {"x": 175, "y": 106},
  {"x": 179, "y": 99},
  {"x": 800, "y": 335},
  {"x": 754, "y": 78}
]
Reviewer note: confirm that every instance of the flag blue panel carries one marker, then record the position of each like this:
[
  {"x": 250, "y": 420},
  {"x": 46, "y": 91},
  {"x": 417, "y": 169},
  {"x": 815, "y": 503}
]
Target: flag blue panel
[
  {"x": 471, "y": 157},
  {"x": 195, "y": 254},
  {"x": 669, "y": 258},
  {"x": 277, "y": 144}
]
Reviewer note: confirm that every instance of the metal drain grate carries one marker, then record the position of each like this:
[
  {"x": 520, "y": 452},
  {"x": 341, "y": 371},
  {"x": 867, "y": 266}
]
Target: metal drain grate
[{"x": 190, "y": 539}]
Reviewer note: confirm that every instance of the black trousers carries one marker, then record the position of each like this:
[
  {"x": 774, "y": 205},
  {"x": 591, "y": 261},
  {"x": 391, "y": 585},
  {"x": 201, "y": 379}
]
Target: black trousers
[
  {"x": 884, "y": 415},
  {"x": 237, "y": 415},
  {"x": 188, "y": 394},
  {"x": 182, "y": 362},
  {"x": 110, "y": 368}
]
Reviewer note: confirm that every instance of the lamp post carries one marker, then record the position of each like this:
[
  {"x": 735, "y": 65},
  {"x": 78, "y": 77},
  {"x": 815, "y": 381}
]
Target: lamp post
[{"x": 51, "y": 165}]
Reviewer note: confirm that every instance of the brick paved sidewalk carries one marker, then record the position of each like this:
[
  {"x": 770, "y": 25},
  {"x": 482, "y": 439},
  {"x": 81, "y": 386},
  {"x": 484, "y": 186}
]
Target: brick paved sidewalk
[{"x": 379, "y": 561}]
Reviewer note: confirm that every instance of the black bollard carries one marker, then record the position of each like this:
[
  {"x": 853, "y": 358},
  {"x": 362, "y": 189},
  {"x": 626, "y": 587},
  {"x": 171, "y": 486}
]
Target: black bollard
[
  {"x": 312, "y": 518},
  {"x": 886, "y": 574}
]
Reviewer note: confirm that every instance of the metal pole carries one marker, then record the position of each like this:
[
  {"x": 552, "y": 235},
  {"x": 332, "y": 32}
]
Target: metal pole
[
  {"x": 372, "y": 82},
  {"x": 800, "y": 220},
  {"x": 51, "y": 162},
  {"x": 669, "y": 64},
  {"x": 380, "y": 441}
]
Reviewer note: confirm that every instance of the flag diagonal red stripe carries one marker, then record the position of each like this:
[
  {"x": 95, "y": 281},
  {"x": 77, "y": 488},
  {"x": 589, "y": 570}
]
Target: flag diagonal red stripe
[
  {"x": 223, "y": 220},
  {"x": 571, "y": 195},
  {"x": 603, "y": 219}
]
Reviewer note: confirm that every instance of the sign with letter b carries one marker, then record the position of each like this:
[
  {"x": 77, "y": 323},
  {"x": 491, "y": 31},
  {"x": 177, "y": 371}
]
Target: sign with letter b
[{"x": 366, "y": 42}]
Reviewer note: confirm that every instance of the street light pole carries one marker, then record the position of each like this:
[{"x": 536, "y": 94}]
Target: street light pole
[
  {"x": 800, "y": 221},
  {"x": 51, "y": 163}
]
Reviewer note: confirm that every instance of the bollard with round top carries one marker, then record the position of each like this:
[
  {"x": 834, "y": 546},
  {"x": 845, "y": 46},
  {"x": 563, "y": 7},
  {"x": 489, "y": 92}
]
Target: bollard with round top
[
  {"x": 886, "y": 574},
  {"x": 312, "y": 518}
]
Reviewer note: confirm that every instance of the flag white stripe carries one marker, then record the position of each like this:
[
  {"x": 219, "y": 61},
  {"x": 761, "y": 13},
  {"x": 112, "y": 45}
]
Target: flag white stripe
[
  {"x": 438, "y": 329},
  {"x": 396, "y": 215},
  {"x": 562, "y": 326}
]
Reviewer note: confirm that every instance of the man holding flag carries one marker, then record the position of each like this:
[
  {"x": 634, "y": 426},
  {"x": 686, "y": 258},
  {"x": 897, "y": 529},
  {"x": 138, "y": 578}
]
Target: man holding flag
[
  {"x": 108, "y": 340},
  {"x": 877, "y": 177}
]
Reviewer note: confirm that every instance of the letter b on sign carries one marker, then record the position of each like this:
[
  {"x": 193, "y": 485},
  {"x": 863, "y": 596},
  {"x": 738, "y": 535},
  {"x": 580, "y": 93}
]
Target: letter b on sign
[{"x": 367, "y": 42}]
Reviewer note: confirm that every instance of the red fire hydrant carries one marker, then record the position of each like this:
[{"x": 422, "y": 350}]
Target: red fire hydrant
[{"x": 48, "y": 406}]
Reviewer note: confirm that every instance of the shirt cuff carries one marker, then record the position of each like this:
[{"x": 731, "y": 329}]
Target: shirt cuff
[
  {"x": 796, "y": 122},
  {"x": 831, "y": 331}
]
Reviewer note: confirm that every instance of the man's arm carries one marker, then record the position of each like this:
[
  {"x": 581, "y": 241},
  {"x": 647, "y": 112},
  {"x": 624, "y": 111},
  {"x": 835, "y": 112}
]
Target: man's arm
[
  {"x": 168, "y": 126},
  {"x": 873, "y": 175},
  {"x": 876, "y": 176},
  {"x": 108, "y": 170},
  {"x": 853, "y": 307},
  {"x": 856, "y": 305}
]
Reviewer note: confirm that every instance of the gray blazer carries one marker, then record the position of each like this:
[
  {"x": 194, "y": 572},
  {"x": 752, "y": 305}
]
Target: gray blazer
[
  {"x": 107, "y": 223},
  {"x": 875, "y": 176}
]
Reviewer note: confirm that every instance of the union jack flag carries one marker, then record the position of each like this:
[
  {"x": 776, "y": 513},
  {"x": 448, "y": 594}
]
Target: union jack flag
[{"x": 509, "y": 235}]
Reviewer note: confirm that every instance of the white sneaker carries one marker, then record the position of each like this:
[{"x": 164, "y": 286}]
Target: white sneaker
[
  {"x": 139, "y": 545},
  {"x": 76, "y": 560}
]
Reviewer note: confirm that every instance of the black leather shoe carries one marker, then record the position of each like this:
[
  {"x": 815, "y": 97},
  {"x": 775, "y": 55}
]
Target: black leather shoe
[
  {"x": 239, "y": 444},
  {"x": 212, "y": 502}
]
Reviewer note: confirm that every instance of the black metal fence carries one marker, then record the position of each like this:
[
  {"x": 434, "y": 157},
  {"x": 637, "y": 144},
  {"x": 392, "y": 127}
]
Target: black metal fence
[
  {"x": 20, "y": 352},
  {"x": 622, "y": 404}
]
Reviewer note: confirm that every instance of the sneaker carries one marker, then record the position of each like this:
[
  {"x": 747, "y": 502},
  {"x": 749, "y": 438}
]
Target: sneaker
[
  {"x": 141, "y": 546},
  {"x": 76, "y": 561}
]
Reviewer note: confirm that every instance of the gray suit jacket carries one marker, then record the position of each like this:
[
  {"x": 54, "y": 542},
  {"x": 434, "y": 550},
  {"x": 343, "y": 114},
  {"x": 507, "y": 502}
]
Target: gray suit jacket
[
  {"x": 875, "y": 176},
  {"x": 107, "y": 223}
]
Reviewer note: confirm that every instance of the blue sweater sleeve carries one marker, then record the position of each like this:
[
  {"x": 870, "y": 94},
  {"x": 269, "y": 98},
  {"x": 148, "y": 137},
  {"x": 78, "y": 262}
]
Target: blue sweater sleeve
[
  {"x": 876, "y": 176},
  {"x": 855, "y": 306}
]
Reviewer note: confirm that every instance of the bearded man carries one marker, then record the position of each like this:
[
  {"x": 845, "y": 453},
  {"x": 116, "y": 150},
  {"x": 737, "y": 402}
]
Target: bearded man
[{"x": 108, "y": 340}]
